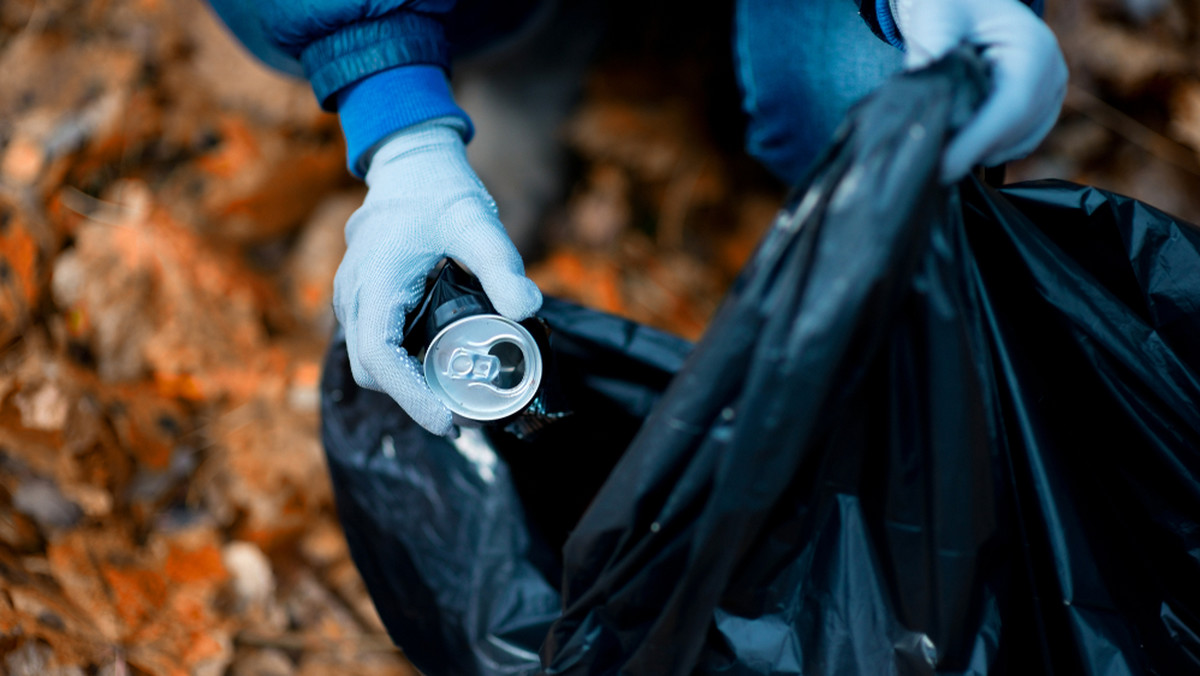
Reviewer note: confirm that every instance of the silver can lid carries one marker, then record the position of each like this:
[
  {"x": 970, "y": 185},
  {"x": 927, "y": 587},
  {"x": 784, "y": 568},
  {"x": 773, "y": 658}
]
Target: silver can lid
[{"x": 484, "y": 367}]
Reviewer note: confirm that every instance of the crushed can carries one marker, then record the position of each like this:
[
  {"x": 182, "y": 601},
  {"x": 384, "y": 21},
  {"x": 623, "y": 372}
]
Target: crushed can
[{"x": 486, "y": 368}]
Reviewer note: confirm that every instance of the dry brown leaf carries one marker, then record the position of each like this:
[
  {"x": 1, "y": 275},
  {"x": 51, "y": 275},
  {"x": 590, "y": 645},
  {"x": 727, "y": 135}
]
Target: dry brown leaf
[
  {"x": 268, "y": 467},
  {"x": 156, "y": 600},
  {"x": 23, "y": 257},
  {"x": 324, "y": 544},
  {"x": 150, "y": 297}
]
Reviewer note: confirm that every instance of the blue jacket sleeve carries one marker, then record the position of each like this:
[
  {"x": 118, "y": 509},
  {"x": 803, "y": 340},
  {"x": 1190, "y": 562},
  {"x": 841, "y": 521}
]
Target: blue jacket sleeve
[
  {"x": 338, "y": 42},
  {"x": 381, "y": 64},
  {"x": 878, "y": 15}
]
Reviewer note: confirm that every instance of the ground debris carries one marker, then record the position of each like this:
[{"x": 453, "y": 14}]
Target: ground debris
[
  {"x": 158, "y": 375},
  {"x": 25, "y": 249},
  {"x": 34, "y": 658},
  {"x": 171, "y": 219}
]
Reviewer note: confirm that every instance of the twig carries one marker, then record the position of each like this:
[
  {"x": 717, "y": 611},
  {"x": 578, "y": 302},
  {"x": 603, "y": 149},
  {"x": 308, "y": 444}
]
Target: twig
[
  {"x": 366, "y": 643},
  {"x": 1099, "y": 111},
  {"x": 676, "y": 204},
  {"x": 93, "y": 208}
]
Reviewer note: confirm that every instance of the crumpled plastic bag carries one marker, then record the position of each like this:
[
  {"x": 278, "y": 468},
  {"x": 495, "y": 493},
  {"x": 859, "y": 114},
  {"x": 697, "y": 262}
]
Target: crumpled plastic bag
[{"x": 932, "y": 430}]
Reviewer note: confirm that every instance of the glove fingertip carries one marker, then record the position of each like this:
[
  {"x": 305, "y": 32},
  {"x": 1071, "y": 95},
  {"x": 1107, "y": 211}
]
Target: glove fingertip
[
  {"x": 929, "y": 35},
  {"x": 427, "y": 411},
  {"x": 519, "y": 299},
  {"x": 955, "y": 166},
  {"x": 438, "y": 424},
  {"x": 917, "y": 56}
]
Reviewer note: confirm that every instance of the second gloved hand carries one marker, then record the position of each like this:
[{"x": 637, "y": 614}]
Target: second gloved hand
[
  {"x": 1029, "y": 76},
  {"x": 424, "y": 203}
]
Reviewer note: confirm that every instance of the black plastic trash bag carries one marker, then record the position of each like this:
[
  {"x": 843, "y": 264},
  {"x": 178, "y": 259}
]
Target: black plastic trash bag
[{"x": 931, "y": 430}]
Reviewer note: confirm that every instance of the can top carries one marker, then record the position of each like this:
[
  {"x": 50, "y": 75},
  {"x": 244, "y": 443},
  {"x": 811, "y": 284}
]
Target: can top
[{"x": 484, "y": 367}]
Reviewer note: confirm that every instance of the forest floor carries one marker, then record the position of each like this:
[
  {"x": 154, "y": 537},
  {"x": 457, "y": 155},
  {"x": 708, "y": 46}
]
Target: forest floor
[{"x": 171, "y": 219}]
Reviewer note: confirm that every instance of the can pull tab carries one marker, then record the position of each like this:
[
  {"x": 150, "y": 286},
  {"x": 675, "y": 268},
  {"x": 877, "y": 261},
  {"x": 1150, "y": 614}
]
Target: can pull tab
[
  {"x": 484, "y": 367},
  {"x": 478, "y": 367}
]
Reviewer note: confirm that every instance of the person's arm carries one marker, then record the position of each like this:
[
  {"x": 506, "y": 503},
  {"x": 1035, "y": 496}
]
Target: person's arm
[
  {"x": 1029, "y": 75},
  {"x": 382, "y": 66}
]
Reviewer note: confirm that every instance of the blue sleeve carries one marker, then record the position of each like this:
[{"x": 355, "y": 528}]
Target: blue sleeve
[
  {"x": 335, "y": 43},
  {"x": 243, "y": 21},
  {"x": 381, "y": 64},
  {"x": 372, "y": 109}
]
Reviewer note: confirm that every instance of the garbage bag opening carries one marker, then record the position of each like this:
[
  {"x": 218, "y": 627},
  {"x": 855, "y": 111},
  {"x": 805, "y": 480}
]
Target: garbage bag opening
[{"x": 931, "y": 430}]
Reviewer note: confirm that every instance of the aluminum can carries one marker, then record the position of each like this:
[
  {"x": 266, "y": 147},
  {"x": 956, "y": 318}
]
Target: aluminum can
[{"x": 484, "y": 367}]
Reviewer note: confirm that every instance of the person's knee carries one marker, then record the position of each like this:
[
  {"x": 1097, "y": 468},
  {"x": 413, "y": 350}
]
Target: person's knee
[{"x": 801, "y": 66}]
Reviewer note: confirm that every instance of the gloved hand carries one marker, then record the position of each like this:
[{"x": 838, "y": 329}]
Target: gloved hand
[
  {"x": 424, "y": 203},
  {"x": 1029, "y": 76}
]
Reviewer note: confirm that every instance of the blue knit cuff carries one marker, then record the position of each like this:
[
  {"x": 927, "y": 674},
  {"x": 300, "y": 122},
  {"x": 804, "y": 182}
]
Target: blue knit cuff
[
  {"x": 359, "y": 50},
  {"x": 887, "y": 24},
  {"x": 372, "y": 109}
]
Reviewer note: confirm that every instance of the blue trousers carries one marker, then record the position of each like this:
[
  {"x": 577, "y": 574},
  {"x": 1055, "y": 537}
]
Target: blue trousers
[{"x": 801, "y": 64}]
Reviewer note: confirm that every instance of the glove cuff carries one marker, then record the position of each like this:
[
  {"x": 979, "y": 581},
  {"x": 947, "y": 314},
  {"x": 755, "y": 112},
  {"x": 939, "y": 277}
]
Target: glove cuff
[{"x": 430, "y": 153}]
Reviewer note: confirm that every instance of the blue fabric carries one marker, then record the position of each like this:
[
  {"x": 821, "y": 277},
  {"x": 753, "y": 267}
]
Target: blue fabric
[
  {"x": 800, "y": 66},
  {"x": 380, "y": 63},
  {"x": 243, "y": 21},
  {"x": 343, "y": 41},
  {"x": 293, "y": 25},
  {"x": 887, "y": 24},
  {"x": 372, "y": 109},
  {"x": 362, "y": 49},
  {"x": 339, "y": 42}
]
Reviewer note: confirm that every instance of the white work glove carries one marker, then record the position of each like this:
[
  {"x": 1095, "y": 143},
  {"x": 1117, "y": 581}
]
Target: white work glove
[
  {"x": 424, "y": 203},
  {"x": 1029, "y": 76}
]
